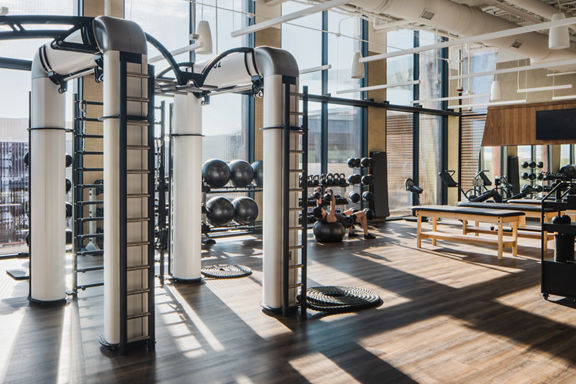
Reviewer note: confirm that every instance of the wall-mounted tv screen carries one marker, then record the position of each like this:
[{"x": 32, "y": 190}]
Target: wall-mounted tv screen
[{"x": 559, "y": 124}]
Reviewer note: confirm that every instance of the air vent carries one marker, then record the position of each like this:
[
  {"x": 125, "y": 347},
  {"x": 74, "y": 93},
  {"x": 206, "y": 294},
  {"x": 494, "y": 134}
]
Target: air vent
[
  {"x": 516, "y": 44},
  {"x": 427, "y": 14}
]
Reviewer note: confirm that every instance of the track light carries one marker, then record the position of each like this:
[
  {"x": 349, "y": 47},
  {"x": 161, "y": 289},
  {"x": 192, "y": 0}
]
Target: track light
[
  {"x": 559, "y": 37},
  {"x": 495, "y": 90},
  {"x": 204, "y": 36},
  {"x": 357, "y": 67}
]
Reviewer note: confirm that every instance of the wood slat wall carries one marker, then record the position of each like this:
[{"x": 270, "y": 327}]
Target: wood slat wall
[
  {"x": 399, "y": 138},
  {"x": 516, "y": 124},
  {"x": 472, "y": 132}
]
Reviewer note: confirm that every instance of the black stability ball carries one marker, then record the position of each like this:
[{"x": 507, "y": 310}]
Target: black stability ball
[
  {"x": 258, "y": 168},
  {"x": 241, "y": 173},
  {"x": 329, "y": 232},
  {"x": 219, "y": 211},
  {"x": 27, "y": 158},
  {"x": 216, "y": 173},
  {"x": 245, "y": 210},
  {"x": 69, "y": 160},
  {"x": 69, "y": 236},
  {"x": 68, "y": 185},
  {"x": 69, "y": 210}
]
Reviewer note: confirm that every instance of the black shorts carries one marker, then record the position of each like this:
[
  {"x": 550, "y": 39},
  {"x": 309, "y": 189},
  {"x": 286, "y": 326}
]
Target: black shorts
[{"x": 346, "y": 221}]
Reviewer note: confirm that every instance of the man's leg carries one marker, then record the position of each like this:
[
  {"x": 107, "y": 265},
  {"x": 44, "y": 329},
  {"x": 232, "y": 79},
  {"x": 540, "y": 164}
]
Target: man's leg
[{"x": 361, "y": 218}]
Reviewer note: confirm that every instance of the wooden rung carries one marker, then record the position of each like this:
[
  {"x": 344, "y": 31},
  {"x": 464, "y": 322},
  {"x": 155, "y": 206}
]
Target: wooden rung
[
  {"x": 296, "y": 285},
  {"x": 137, "y": 171},
  {"x": 137, "y": 147},
  {"x": 137, "y": 219},
  {"x": 295, "y": 190},
  {"x": 138, "y": 123},
  {"x": 137, "y": 268},
  {"x": 137, "y": 99},
  {"x": 137, "y": 243},
  {"x": 295, "y": 247},
  {"x": 296, "y": 266},
  {"x": 296, "y": 170},
  {"x": 138, "y": 292},
  {"x": 139, "y": 75},
  {"x": 137, "y": 195},
  {"x": 138, "y": 316},
  {"x": 138, "y": 338}
]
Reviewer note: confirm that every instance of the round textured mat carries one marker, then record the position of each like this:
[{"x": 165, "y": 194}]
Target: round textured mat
[
  {"x": 341, "y": 299},
  {"x": 226, "y": 271}
]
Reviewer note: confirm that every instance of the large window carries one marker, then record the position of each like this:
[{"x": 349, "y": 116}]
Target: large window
[
  {"x": 344, "y": 138},
  {"x": 399, "y": 142},
  {"x": 303, "y": 39},
  {"x": 343, "y": 42},
  {"x": 14, "y": 94}
]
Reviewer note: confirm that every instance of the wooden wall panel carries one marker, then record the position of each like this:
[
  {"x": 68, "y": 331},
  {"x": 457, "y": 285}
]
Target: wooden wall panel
[{"x": 516, "y": 124}]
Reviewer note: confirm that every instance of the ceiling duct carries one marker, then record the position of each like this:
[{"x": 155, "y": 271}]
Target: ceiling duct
[{"x": 462, "y": 20}]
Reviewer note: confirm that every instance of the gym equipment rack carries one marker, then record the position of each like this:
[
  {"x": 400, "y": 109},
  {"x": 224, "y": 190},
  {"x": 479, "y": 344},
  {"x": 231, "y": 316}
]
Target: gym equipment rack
[{"x": 558, "y": 277}]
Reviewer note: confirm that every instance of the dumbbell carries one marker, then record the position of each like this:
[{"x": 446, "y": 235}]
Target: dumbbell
[
  {"x": 368, "y": 196},
  {"x": 315, "y": 180},
  {"x": 532, "y": 176},
  {"x": 525, "y": 164},
  {"x": 367, "y": 179},
  {"x": 323, "y": 179},
  {"x": 366, "y": 162},
  {"x": 525, "y": 175},
  {"x": 539, "y": 188},
  {"x": 354, "y": 197},
  {"x": 540, "y": 164},
  {"x": 354, "y": 179},
  {"x": 532, "y": 164},
  {"x": 315, "y": 196},
  {"x": 354, "y": 162},
  {"x": 540, "y": 176},
  {"x": 342, "y": 180}
]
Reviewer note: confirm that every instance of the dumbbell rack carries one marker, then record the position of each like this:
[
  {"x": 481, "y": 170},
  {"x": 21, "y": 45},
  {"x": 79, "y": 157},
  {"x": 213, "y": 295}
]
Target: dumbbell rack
[
  {"x": 558, "y": 277},
  {"x": 233, "y": 229}
]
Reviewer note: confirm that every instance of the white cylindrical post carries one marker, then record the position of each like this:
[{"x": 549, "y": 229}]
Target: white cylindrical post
[
  {"x": 186, "y": 194},
  {"x": 273, "y": 201},
  {"x": 47, "y": 191},
  {"x": 111, "y": 97}
]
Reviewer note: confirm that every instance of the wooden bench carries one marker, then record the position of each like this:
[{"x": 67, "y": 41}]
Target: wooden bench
[
  {"x": 530, "y": 210},
  {"x": 465, "y": 214}
]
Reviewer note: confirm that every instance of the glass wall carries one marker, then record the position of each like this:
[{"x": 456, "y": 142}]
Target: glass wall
[
  {"x": 344, "y": 137},
  {"x": 303, "y": 39},
  {"x": 343, "y": 42},
  {"x": 14, "y": 123}
]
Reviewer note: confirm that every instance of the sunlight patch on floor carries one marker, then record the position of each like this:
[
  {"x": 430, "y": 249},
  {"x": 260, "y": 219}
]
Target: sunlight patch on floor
[{"x": 317, "y": 368}]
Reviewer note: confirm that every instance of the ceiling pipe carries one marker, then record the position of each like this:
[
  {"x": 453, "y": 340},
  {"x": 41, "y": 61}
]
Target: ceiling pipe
[
  {"x": 537, "y": 7},
  {"x": 462, "y": 20}
]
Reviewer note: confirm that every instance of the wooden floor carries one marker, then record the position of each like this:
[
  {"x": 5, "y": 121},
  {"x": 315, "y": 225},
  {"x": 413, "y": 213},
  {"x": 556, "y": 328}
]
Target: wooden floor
[{"x": 451, "y": 314}]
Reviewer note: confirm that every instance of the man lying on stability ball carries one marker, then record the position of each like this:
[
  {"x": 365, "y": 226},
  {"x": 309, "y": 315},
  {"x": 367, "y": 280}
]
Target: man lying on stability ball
[{"x": 348, "y": 218}]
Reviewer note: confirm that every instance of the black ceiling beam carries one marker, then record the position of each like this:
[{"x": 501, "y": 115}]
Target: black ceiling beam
[{"x": 9, "y": 63}]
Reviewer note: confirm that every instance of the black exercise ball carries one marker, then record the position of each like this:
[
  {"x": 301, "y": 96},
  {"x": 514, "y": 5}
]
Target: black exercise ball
[
  {"x": 329, "y": 232},
  {"x": 245, "y": 210},
  {"x": 219, "y": 211},
  {"x": 258, "y": 168},
  {"x": 68, "y": 185},
  {"x": 568, "y": 171},
  {"x": 69, "y": 210},
  {"x": 27, "y": 158},
  {"x": 354, "y": 197},
  {"x": 27, "y": 237},
  {"x": 69, "y": 236},
  {"x": 216, "y": 173},
  {"x": 68, "y": 160},
  {"x": 241, "y": 173}
]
